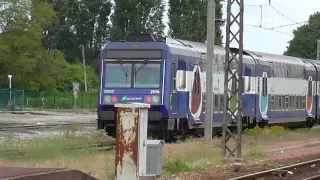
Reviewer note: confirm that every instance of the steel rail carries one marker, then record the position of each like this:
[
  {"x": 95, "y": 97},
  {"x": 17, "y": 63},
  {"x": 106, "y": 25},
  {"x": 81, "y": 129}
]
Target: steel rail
[
  {"x": 313, "y": 177},
  {"x": 268, "y": 172},
  {"x": 42, "y": 125}
]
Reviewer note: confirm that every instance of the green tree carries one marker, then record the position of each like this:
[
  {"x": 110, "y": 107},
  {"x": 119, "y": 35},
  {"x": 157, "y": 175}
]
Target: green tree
[
  {"x": 304, "y": 42},
  {"x": 140, "y": 16},
  {"x": 20, "y": 45},
  {"x": 188, "y": 20},
  {"x": 33, "y": 67},
  {"x": 83, "y": 22}
]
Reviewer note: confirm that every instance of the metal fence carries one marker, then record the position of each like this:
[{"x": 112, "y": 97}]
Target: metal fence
[
  {"x": 22, "y": 100},
  {"x": 60, "y": 100},
  {"x": 11, "y": 99}
]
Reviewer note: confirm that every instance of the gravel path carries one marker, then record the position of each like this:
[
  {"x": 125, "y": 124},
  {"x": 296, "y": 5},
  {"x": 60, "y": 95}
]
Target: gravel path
[{"x": 43, "y": 118}]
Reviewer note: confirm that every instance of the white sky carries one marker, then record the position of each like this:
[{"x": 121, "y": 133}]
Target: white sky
[{"x": 258, "y": 39}]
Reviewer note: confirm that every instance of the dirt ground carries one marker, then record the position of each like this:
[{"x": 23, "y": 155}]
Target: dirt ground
[{"x": 273, "y": 159}]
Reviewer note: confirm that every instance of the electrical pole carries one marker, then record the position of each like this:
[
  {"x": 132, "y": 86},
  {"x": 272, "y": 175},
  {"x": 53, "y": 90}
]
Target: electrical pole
[
  {"x": 209, "y": 75},
  {"x": 233, "y": 80},
  {"x": 84, "y": 70},
  {"x": 318, "y": 50}
]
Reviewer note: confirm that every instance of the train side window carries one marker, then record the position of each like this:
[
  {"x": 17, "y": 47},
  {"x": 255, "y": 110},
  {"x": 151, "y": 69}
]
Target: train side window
[
  {"x": 295, "y": 102},
  {"x": 290, "y": 102},
  {"x": 174, "y": 75},
  {"x": 195, "y": 83},
  {"x": 276, "y": 102},
  {"x": 303, "y": 102},
  {"x": 280, "y": 103},
  {"x": 216, "y": 102},
  {"x": 284, "y": 102},
  {"x": 248, "y": 78},
  {"x": 221, "y": 102},
  {"x": 272, "y": 73},
  {"x": 258, "y": 85},
  {"x": 204, "y": 102},
  {"x": 272, "y": 102},
  {"x": 183, "y": 75},
  {"x": 287, "y": 102}
]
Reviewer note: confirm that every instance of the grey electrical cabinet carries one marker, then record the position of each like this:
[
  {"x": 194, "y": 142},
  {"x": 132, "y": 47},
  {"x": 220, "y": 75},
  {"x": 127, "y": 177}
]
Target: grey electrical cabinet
[{"x": 154, "y": 157}]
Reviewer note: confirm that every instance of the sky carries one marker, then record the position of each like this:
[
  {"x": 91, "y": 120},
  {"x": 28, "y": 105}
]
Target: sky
[{"x": 261, "y": 39}]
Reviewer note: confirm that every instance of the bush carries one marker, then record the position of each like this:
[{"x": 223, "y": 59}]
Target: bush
[{"x": 180, "y": 165}]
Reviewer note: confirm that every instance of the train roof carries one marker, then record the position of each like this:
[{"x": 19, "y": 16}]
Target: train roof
[
  {"x": 191, "y": 48},
  {"x": 266, "y": 57}
]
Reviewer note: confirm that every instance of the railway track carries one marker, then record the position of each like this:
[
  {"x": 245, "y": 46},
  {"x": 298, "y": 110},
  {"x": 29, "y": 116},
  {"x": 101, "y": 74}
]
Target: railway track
[
  {"x": 43, "y": 126},
  {"x": 306, "y": 173}
]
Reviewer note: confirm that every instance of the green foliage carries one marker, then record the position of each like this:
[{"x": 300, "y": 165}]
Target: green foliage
[
  {"x": 137, "y": 16},
  {"x": 22, "y": 54},
  {"x": 274, "y": 132},
  {"x": 256, "y": 152},
  {"x": 188, "y": 20},
  {"x": 83, "y": 22},
  {"x": 180, "y": 165},
  {"x": 304, "y": 43},
  {"x": 255, "y": 132}
]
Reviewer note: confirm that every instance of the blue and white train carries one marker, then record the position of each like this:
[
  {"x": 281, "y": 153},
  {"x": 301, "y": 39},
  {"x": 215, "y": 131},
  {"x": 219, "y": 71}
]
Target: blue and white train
[{"x": 169, "y": 74}]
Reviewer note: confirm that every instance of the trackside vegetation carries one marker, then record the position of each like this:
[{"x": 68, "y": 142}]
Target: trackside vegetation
[{"x": 71, "y": 149}]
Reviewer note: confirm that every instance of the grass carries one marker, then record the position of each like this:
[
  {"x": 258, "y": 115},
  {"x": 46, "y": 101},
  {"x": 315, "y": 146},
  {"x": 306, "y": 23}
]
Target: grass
[{"x": 192, "y": 155}]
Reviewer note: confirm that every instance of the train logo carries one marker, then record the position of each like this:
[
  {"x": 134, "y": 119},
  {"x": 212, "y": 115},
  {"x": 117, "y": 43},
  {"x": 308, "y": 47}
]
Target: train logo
[
  {"x": 309, "y": 96},
  {"x": 263, "y": 95},
  {"x": 195, "y": 101}
]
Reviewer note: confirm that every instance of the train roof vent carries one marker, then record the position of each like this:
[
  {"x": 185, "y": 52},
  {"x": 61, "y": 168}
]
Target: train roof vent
[{"x": 144, "y": 37}]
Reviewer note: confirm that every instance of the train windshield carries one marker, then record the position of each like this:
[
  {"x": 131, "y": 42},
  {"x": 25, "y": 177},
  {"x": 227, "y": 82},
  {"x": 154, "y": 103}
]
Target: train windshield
[
  {"x": 118, "y": 75},
  {"x": 132, "y": 74}
]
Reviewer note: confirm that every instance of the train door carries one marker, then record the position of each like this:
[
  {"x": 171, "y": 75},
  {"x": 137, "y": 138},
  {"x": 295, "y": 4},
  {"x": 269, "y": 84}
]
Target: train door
[
  {"x": 174, "y": 98},
  {"x": 257, "y": 87}
]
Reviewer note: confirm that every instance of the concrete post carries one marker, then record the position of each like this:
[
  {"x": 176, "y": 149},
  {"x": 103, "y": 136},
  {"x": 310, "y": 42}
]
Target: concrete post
[{"x": 131, "y": 141}]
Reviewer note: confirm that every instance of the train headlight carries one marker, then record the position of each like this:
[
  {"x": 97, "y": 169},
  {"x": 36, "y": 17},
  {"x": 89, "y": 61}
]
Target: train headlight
[
  {"x": 152, "y": 99},
  {"x": 155, "y": 99},
  {"x": 107, "y": 99}
]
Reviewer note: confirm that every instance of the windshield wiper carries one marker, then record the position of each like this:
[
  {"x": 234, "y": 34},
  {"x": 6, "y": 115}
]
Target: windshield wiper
[
  {"x": 124, "y": 70},
  {"x": 144, "y": 64}
]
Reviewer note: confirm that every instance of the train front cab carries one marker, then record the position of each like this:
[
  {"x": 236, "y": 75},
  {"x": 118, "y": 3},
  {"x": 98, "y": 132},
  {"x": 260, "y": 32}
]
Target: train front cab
[{"x": 130, "y": 75}]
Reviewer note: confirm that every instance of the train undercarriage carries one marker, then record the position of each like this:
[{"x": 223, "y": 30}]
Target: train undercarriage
[{"x": 171, "y": 130}]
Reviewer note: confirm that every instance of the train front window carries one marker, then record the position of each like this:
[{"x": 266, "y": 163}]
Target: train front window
[
  {"x": 146, "y": 75},
  {"x": 118, "y": 75}
]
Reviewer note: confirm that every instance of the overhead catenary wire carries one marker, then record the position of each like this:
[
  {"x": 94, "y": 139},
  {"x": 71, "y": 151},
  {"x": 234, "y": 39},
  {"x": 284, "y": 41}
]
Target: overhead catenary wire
[{"x": 317, "y": 30}]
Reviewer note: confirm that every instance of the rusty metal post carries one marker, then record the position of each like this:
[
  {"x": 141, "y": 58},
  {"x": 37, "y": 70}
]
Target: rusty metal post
[{"x": 131, "y": 141}]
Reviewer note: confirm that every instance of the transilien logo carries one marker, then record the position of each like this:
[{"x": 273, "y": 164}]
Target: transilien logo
[{"x": 124, "y": 98}]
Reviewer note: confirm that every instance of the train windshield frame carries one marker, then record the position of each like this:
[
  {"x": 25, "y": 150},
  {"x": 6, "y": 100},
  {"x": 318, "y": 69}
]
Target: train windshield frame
[{"x": 132, "y": 73}]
